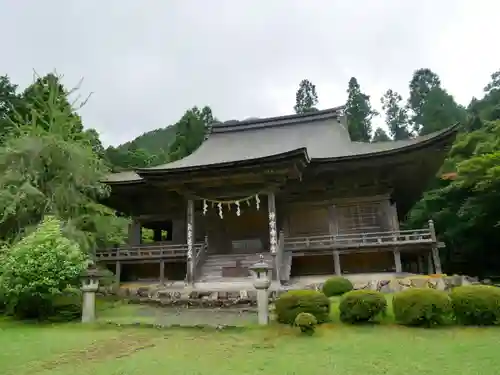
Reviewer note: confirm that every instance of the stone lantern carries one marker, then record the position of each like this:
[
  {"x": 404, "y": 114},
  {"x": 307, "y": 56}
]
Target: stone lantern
[
  {"x": 90, "y": 284},
  {"x": 262, "y": 281}
]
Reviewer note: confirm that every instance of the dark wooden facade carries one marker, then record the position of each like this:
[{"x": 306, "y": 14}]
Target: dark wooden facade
[{"x": 344, "y": 208}]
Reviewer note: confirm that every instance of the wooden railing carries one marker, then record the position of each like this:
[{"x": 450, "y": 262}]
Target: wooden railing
[
  {"x": 149, "y": 251},
  {"x": 339, "y": 241}
]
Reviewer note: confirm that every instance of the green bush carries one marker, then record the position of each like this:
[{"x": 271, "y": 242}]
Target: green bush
[
  {"x": 294, "y": 302},
  {"x": 38, "y": 269},
  {"x": 422, "y": 307},
  {"x": 66, "y": 306},
  {"x": 336, "y": 286},
  {"x": 360, "y": 306},
  {"x": 306, "y": 322},
  {"x": 476, "y": 304}
]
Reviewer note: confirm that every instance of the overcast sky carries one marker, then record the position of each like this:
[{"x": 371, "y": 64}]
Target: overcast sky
[{"x": 147, "y": 61}]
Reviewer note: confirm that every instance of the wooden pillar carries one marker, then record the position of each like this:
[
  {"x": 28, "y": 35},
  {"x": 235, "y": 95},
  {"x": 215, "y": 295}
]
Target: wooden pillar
[
  {"x": 190, "y": 240},
  {"x": 134, "y": 233},
  {"x": 430, "y": 266},
  {"x": 394, "y": 217},
  {"x": 336, "y": 262},
  {"x": 332, "y": 220},
  {"x": 162, "y": 271},
  {"x": 435, "y": 258},
  {"x": 420, "y": 261},
  {"x": 118, "y": 272},
  {"x": 273, "y": 234},
  {"x": 397, "y": 261}
]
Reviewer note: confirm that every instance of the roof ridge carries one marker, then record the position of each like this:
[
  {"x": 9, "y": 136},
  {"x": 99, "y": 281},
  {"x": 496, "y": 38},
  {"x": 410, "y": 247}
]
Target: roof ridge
[{"x": 257, "y": 123}]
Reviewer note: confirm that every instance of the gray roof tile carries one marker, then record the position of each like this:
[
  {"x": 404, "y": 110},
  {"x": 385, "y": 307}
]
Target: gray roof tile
[{"x": 321, "y": 133}]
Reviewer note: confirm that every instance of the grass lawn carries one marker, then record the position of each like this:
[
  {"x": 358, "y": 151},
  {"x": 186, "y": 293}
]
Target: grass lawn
[{"x": 335, "y": 349}]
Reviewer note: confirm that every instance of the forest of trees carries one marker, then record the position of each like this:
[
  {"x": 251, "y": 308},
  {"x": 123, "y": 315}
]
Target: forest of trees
[{"x": 52, "y": 164}]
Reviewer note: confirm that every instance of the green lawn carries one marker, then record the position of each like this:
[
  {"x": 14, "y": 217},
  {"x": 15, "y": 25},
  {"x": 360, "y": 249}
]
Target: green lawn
[{"x": 335, "y": 349}]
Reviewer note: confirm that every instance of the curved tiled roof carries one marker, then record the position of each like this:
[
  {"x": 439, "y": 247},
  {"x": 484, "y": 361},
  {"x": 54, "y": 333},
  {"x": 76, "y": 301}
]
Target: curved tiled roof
[{"x": 321, "y": 134}]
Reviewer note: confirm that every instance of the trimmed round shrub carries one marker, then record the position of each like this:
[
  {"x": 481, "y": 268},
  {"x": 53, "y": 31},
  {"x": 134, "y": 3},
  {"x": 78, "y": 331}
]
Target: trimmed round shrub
[
  {"x": 422, "y": 307},
  {"x": 476, "y": 304},
  {"x": 336, "y": 286},
  {"x": 306, "y": 322},
  {"x": 294, "y": 302},
  {"x": 359, "y": 306}
]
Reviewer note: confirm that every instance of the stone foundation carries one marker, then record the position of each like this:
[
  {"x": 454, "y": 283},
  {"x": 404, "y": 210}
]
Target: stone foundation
[
  {"x": 165, "y": 295},
  {"x": 397, "y": 284}
]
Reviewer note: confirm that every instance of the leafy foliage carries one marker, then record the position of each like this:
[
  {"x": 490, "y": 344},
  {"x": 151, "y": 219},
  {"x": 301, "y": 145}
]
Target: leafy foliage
[
  {"x": 476, "y": 304},
  {"x": 191, "y": 130},
  {"x": 380, "y": 135},
  {"x": 163, "y": 145},
  {"x": 306, "y": 323},
  {"x": 422, "y": 307},
  {"x": 359, "y": 113},
  {"x": 464, "y": 205},
  {"x": 8, "y": 100},
  {"x": 306, "y": 97},
  {"x": 336, "y": 286},
  {"x": 359, "y": 306},
  {"x": 294, "y": 302},
  {"x": 39, "y": 268},
  {"x": 396, "y": 115},
  {"x": 48, "y": 166},
  {"x": 432, "y": 107}
]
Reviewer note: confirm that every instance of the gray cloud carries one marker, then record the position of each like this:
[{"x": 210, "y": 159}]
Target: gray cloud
[{"x": 148, "y": 61}]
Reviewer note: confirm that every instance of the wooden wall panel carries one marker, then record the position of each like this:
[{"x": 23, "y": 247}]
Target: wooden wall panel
[
  {"x": 367, "y": 262},
  {"x": 308, "y": 220}
]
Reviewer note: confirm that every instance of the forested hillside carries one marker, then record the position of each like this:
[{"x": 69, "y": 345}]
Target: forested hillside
[{"x": 51, "y": 163}]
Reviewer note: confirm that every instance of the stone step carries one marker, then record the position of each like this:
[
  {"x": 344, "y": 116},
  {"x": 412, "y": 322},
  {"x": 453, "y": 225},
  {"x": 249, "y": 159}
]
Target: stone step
[{"x": 211, "y": 270}]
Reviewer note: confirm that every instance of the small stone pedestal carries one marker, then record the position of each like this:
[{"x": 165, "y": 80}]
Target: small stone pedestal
[
  {"x": 90, "y": 284},
  {"x": 262, "y": 282}
]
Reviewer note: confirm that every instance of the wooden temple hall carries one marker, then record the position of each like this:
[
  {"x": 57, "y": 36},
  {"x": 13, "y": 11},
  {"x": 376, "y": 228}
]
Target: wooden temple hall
[{"x": 295, "y": 189}]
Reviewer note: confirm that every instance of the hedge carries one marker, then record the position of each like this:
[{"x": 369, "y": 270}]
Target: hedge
[
  {"x": 476, "y": 304},
  {"x": 422, "y": 307},
  {"x": 294, "y": 302},
  {"x": 360, "y": 306},
  {"x": 336, "y": 286}
]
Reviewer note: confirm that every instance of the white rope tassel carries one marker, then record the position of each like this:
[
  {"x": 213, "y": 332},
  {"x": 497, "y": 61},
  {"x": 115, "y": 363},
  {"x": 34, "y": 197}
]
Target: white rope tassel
[
  {"x": 205, "y": 206},
  {"x": 219, "y": 206},
  {"x": 257, "y": 201},
  {"x": 238, "y": 212}
]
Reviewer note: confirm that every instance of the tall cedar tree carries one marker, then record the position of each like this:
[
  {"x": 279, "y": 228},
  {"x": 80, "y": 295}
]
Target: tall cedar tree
[
  {"x": 359, "y": 113},
  {"x": 306, "y": 97},
  {"x": 433, "y": 109},
  {"x": 396, "y": 116}
]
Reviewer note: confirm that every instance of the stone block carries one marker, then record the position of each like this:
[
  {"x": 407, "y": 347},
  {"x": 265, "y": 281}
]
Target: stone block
[{"x": 420, "y": 282}]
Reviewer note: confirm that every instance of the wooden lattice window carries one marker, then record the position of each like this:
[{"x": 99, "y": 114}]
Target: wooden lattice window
[{"x": 357, "y": 218}]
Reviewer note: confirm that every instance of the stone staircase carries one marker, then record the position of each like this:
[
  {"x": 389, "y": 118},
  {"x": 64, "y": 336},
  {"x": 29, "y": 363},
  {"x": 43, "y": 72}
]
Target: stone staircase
[{"x": 230, "y": 267}]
